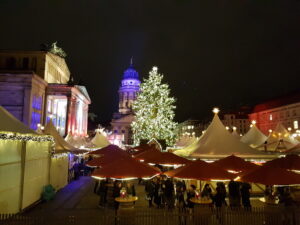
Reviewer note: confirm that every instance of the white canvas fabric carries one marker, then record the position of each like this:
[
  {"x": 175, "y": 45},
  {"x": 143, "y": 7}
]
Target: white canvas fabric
[
  {"x": 217, "y": 142},
  {"x": 279, "y": 140},
  {"x": 11, "y": 123},
  {"x": 236, "y": 134},
  {"x": 254, "y": 137},
  {"x": 185, "y": 141},
  {"x": 100, "y": 140},
  {"x": 60, "y": 143}
]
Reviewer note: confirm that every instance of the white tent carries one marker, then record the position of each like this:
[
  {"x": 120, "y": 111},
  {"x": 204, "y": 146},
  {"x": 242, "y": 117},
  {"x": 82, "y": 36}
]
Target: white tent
[
  {"x": 279, "y": 140},
  {"x": 100, "y": 140},
  {"x": 254, "y": 137},
  {"x": 217, "y": 142},
  {"x": 235, "y": 134},
  {"x": 60, "y": 143},
  {"x": 24, "y": 164},
  {"x": 12, "y": 124},
  {"x": 185, "y": 141}
]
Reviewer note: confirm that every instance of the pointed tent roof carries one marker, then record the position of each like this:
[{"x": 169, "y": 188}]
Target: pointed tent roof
[
  {"x": 235, "y": 134},
  {"x": 254, "y": 137},
  {"x": 279, "y": 140},
  {"x": 185, "y": 141},
  {"x": 60, "y": 143},
  {"x": 12, "y": 124},
  {"x": 217, "y": 142},
  {"x": 100, "y": 140}
]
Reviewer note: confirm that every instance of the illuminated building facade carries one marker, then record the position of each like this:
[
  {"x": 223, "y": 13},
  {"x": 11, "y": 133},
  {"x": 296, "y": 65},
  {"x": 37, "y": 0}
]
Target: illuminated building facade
[
  {"x": 285, "y": 109},
  {"x": 130, "y": 86},
  {"x": 33, "y": 85}
]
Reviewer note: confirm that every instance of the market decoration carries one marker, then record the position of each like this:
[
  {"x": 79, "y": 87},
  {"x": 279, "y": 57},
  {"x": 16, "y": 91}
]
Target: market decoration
[{"x": 154, "y": 111}]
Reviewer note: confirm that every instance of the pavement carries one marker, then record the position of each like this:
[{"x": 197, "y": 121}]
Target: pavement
[{"x": 79, "y": 196}]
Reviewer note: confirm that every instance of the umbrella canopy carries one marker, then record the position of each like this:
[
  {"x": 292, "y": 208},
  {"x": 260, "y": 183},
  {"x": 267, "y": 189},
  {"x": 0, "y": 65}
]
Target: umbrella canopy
[
  {"x": 269, "y": 175},
  {"x": 126, "y": 168},
  {"x": 200, "y": 170},
  {"x": 142, "y": 148},
  {"x": 166, "y": 158},
  {"x": 289, "y": 162},
  {"x": 234, "y": 163},
  {"x": 148, "y": 154},
  {"x": 110, "y": 150}
]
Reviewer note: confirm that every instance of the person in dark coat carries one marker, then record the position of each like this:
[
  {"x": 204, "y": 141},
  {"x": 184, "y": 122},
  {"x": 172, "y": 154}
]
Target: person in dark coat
[
  {"x": 150, "y": 190},
  {"x": 219, "y": 198},
  {"x": 234, "y": 194},
  {"x": 116, "y": 193},
  {"x": 158, "y": 193},
  {"x": 169, "y": 193},
  {"x": 245, "y": 193},
  {"x": 206, "y": 192},
  {"x": 191, "y": 194},
  {"x": 102, "y": 192}
]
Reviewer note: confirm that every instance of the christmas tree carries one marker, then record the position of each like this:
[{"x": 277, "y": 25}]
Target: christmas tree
[{"x": 154, "y": 111}]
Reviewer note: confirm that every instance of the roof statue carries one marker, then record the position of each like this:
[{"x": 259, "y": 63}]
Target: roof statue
[
  {"x": 57, "y": 50},
  {"x": 217, "y": 142},
  {"x": 254, "y": 137},
  {"x": 12, "y": 124},
  {"x": 279, "y": 140}
]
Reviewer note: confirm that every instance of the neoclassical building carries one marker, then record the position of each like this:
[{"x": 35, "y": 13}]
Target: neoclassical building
[
  {"x": 130, "y": 86},
  {"x": 34, "y": 87}
]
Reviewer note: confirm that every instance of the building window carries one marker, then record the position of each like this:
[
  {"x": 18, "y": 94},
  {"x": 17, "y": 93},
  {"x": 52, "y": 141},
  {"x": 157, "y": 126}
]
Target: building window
[
  {"x": 287, "y": 114},
  {"x": 115, "y": 131},
  {"x": 123, "y": 131},
  {"x": 296, "y": 126},
  {"x": 271, "y": 117},
  {"x": 11, "y": 63}
]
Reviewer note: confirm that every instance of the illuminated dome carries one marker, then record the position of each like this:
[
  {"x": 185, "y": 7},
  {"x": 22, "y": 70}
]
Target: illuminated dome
[{"x": 131, "y": 73}]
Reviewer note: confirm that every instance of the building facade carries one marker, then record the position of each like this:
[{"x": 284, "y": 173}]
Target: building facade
[
  {"x": 285, "y": 109},
  {"x": 238, "y": 121},
  {"x": 130, "y": 86},
  {"x": 33, "y": 85},
  {"x": 191, "y": 128}
]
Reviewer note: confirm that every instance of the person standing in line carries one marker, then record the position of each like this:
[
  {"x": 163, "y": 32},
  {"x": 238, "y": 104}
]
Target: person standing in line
[
  {"x": 245, "y": 193},
  {"x": 234, "y": 194},
  {"x": 169, "y": 194},
  {"x": 150, "y": 190},
  {"x": 102, "y": 191}
]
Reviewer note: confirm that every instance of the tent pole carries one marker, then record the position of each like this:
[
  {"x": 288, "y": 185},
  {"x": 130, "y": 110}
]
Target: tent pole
[{"x": 23, "y": 161}]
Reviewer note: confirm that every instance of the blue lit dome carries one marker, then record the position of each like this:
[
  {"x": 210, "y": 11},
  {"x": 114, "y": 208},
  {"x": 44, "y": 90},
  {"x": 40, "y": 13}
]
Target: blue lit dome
[{"x": 131, "y": 73}]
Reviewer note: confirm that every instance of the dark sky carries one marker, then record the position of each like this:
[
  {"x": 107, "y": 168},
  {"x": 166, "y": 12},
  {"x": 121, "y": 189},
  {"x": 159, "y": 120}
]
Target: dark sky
[{"x": 212, "y": 53}]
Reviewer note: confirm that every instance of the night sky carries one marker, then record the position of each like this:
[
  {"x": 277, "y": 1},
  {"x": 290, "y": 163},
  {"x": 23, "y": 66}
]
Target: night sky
[{"x": 213, "y": 53}]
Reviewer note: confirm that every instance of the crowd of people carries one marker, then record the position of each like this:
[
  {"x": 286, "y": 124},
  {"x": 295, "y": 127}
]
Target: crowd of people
[{"x": 166, "y": 193}]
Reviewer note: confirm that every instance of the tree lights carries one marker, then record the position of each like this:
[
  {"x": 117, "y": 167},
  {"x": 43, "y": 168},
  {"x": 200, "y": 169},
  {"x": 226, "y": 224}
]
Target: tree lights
[{"x": 154, "y": 111}]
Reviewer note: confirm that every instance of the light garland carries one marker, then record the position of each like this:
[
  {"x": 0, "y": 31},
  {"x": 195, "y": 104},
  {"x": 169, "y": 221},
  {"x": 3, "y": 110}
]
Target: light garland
[{"x": 10, "y": 136}]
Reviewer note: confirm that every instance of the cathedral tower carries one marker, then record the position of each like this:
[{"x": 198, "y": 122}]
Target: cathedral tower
[
  {"x": 128, "y": 91},
  {"x": 121, "y": 122}
]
